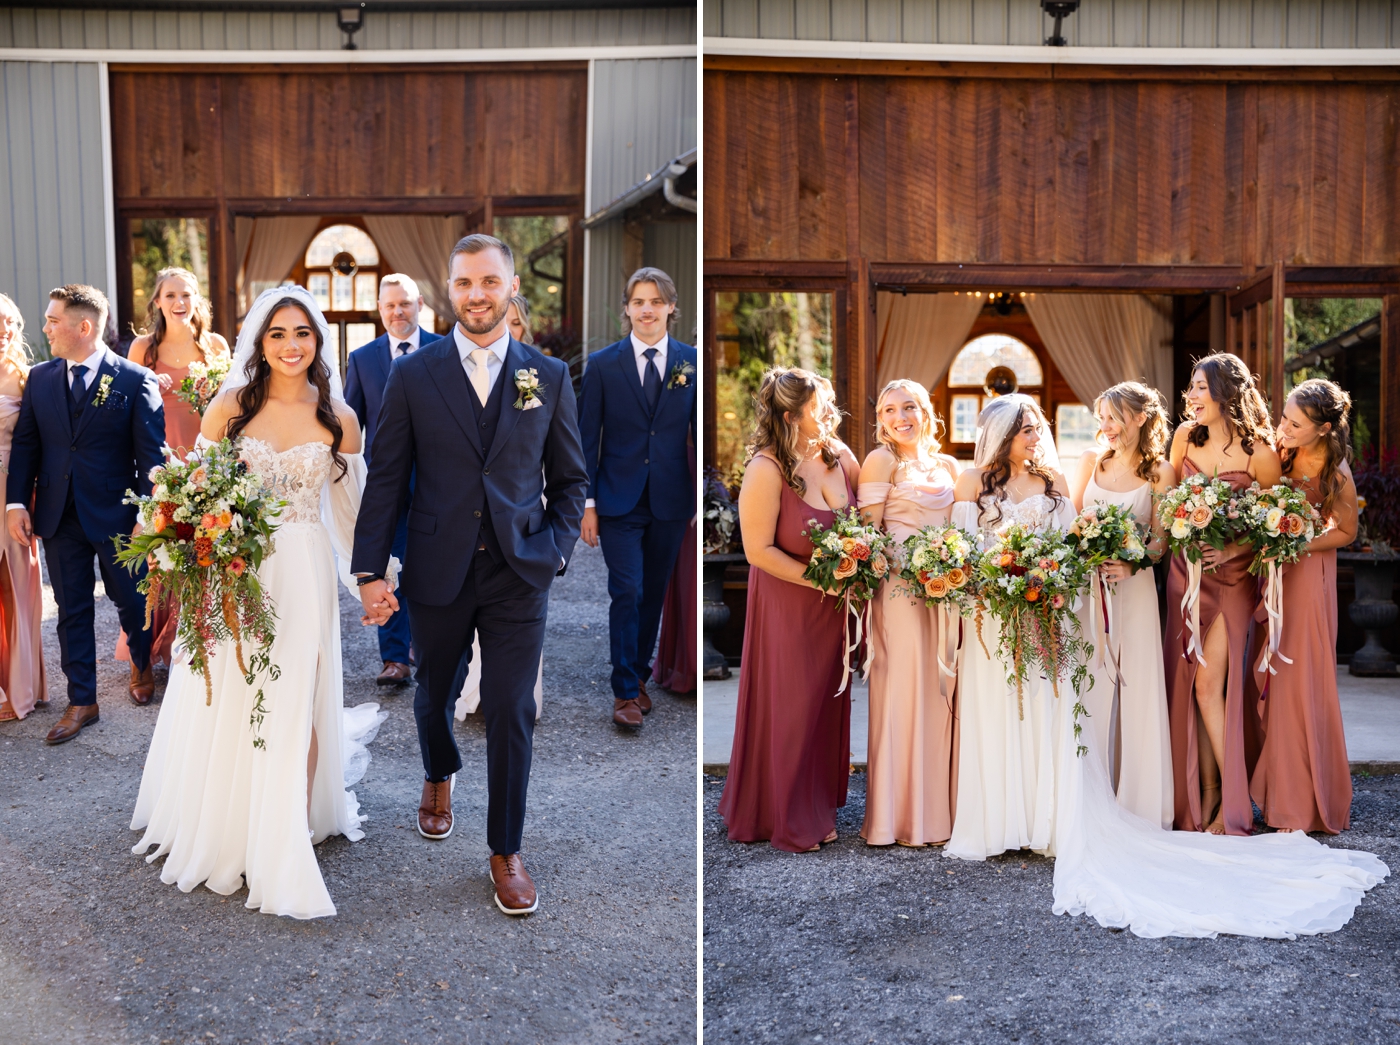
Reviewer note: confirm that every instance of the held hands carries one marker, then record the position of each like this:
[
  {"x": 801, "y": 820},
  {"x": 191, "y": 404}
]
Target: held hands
[
  {"x": 378, "y": 601},
  {"x": 21, "y": 529},
  {"x": 589, "y": 529}
]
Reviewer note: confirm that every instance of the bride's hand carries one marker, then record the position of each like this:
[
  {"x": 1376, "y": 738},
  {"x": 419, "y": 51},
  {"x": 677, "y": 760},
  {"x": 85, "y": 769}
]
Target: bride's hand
[
  {"x": 379, "y": 602},
  {"x": 1115, "y": 570}
]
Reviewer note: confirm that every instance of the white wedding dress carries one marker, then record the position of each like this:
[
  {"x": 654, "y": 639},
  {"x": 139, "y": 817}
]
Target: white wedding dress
[{"x": 219, "y": 810}]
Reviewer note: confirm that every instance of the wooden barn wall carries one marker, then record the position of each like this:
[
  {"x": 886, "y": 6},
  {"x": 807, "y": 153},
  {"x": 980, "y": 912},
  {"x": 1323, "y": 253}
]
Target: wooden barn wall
[
  {"x": 1025, "y": 170},
  {"x": 345, "y": 134}
]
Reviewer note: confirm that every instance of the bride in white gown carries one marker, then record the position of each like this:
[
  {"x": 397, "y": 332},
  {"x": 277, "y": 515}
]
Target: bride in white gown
[
  {"x": 1123, "y": 870},
  {"x": 218, "y": 810}
]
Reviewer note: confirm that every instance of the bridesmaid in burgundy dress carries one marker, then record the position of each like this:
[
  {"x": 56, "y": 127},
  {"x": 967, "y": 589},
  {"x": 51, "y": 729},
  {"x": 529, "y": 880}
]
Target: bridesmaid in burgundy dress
[
  {"x": 1226, "y": 435},
  {"x": 792, "y": 734},
  {"x": 1303, "y": 780}
]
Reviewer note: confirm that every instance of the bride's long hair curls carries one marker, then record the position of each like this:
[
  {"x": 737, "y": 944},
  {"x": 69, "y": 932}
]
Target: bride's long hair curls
[
  {"x": 1325, "y": 403},
  {"x": 1232, "y": 387},
  {"x": 253, "y": 395},
  {"x": 994, "y": 458},
  {"x": 787, "y": 390},
  {"x": 930, "y": 428},
  {"x": 1132, "y": 397}
]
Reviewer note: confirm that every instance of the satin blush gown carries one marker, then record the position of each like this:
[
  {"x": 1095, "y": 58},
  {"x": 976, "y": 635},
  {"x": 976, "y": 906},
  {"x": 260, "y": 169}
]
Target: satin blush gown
[{"x": 22, "y": 681}]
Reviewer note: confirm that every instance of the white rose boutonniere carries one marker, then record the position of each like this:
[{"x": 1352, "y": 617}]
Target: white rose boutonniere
[
  {"x": 104, "y": 389},
  {"x": 682, "y": 374},
  {"x": 527, "y": 383}
]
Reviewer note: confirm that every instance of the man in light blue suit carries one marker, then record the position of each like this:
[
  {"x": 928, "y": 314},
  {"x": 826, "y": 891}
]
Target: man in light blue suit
[
  {"x": 366, "y": 374},
  {"x": 637, "y": 419}
]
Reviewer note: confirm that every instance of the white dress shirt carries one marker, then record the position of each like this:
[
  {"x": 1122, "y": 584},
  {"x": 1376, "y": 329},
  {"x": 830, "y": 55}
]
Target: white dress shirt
[
  {"x": 640, "y": 348},
  {"x": 494, "y": 365},
  {"x": 412, "y": 340},
  {"x": 93, "y": 363}
]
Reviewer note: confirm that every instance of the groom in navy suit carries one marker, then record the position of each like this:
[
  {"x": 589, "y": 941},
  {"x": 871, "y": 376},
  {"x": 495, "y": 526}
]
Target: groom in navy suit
[
  {"x": 487, "y": 429},
  {"x": 90, "y": 428},
  {"x": 366, "y": 374},
  {"x": 637, "y": 415}
]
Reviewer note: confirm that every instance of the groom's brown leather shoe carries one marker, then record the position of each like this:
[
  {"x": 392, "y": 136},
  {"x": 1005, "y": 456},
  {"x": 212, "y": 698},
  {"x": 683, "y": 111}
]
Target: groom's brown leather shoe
[
  {"x": 643, "y": 698},
  {"x": 627, "y": 713},
  {"x": 435, "y": 809},
  {"x": 515, "y": 893},
  {"x": 77, "y": 718},
  {"x": 143, "y": 685},
  {"x": 394, "y": 674}
]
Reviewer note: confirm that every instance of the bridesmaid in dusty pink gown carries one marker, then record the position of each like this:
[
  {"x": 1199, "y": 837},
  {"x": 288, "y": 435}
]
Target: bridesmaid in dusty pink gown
[
  {"x": 1227, "y": 435},
  {"x": 1303, "y": 779},
  {"x": 22, "y": 683},
  {"x": 911, "y": 780},
  {"x": 790, "y": 762}
]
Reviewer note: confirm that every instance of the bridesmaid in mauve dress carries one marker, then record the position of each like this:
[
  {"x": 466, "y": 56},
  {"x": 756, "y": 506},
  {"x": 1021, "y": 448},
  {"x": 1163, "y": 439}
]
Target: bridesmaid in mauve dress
[
  {"x": 1303, "y": 779},
  {"x": 22, "y": 683},
  {"x": 790, "y": 762},
  {"x": 675, "y": 648},
  {"x": 911, "y": 780},
  {"x": 1227, "y": 436},
  {"x": 177, "y": 334}
]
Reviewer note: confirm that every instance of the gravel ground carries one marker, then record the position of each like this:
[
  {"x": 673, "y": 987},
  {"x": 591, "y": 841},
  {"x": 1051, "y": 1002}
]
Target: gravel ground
[
  {"x": 859, "y": 944},
  {"x": 94, "y": 948}
]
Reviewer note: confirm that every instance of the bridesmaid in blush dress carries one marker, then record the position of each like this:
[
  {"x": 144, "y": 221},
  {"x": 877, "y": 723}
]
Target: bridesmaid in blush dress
[
  {"x": 790, "y": 762},
  {"x": 1303, "y": 780},
  {"x": 1227, "y": 435},
  {"x": 905, "y": 485}
]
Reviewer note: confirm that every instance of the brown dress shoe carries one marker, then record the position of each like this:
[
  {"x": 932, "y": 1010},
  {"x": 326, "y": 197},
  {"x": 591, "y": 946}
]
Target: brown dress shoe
[
  {"x": 435, "y": 809},
  {"x": 394, "y": 674},
  {"x": 77, "y": 718},
  {"x": 627, "y": 713},
  {"x": 643, "y": 699},
  {"x": 515, "y": 893},
  {"x": 143, "y": 685}
]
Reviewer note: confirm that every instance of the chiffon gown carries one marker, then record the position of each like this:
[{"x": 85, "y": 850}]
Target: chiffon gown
[
  {"x": 790, "y": 762},
  {"x": 1230, "y": 594},
  {"x": 912, "y": 773},
  {"x": 22, "y": 681},
  {"x": 220, "y": 811},
  {"x": 1007, "y": 763},
  {"x": 1303, "y": 779},
  {"x": 1136, "y": 730}
]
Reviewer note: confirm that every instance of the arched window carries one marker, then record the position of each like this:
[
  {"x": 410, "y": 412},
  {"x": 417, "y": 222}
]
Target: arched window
[
  {"x": 342, "y": 273},
  {"x": 985, "y": 367}
]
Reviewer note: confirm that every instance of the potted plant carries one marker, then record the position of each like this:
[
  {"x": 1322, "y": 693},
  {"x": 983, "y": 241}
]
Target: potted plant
[
  {"x": 721, "y": 518},
  {"x": 1373, "y": 559}
]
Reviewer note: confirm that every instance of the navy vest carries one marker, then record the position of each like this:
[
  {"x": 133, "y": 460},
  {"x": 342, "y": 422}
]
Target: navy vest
[{"x": 488, "y": 419}]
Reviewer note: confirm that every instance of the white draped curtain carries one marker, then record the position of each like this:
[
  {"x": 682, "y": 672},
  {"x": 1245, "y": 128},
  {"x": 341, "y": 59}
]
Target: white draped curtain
[
  {"x": 276, "y": 244},
  {"x": 1098, "y": 340},
  {"x": 419, "y": 245},
  {"x": 917, "y": 335}
]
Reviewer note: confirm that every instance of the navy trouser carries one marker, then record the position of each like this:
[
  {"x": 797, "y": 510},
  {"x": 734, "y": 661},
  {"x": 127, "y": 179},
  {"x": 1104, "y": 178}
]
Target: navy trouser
[
  {"x": 640, "y": 551},
  {"x": 396, "y": 637},
  {"x": 68, "y": 555},
  {"x": 508, "y": 616}
]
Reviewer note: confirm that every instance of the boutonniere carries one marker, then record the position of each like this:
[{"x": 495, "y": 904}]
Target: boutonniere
[
  {"x": 104, "y": 389},
  {"x": 527, "y": 383},
  {"x": 681, "y": 375}
]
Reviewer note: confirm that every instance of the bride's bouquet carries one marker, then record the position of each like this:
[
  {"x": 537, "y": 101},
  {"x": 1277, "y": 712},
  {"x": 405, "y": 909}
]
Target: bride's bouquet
[
  {"x": 1282, "y": 521},
  {"x": 849, "y": 560},
  {"x": 1103, "y": 532},
  {"x": 1029, "y": 581},
  {"x": 940, "y": 564},
  {"x": 202, "y": 382},
  {"x": 205, "y": 530}
]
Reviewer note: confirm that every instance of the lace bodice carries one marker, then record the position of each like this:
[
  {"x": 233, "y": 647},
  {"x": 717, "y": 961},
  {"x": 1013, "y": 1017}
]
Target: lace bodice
[
  {"x": 1036, "y": 512},
  {"x": 297, "y": 475}
]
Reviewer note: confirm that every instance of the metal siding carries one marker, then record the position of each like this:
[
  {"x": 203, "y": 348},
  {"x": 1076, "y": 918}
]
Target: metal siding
[
  {"x": 812, "y": 19},
  {"x": 955, "y": 21},
  {"x": 1025, "y": 27},
  {"x": 1304, "y": 22},
  {"x": 1130, "y": 23},
  {"x": 670, "y": 246},
  {"x": 775, "y": 19},
  {"x": 1270, "y": 20},
  {"x": 883, "y": 21},
  {"x": 644, "y": 113},
  {"x": 920, "y": 19},
  {"x": 848, "y": 19},
  {"x": 606, "y": 280},
  {"x": 1373, "y": 23},
  {"x": 989, "y": 21},
  {"x": 1198, "y": 21},
  {"x": 1164, "y": 18},
  {"x": 1339, "y": 24}
]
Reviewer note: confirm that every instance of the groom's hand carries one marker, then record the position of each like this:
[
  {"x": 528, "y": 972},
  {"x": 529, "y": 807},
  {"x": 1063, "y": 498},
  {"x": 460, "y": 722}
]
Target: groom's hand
[
  {"x": 378, "y": 601},
  {"x": 588, "y": 530},
  {"x": 17, "y": 522}
]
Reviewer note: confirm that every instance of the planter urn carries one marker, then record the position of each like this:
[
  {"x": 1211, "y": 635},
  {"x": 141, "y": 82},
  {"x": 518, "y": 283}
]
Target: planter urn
[
  {"x": 1373, "y": 610},
  {"x": 716, "y": 613}
]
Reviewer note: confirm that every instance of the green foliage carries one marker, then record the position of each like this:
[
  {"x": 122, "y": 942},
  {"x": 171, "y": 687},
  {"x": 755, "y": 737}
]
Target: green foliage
[
  {"x": 525, "y": 234},
  {"x": 1308, "y": 322},
  {"x": 159, "y": 243}
]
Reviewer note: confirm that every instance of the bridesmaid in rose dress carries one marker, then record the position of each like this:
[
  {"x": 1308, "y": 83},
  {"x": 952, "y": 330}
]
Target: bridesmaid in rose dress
[
  {"x": 905, "y": 485},
  {"x": 1303, "y": 780},
  {"x": 177, "y": 334},
  {"x": 22, "y": 683},
  {"x": 1226, "y": 435},
  {"x": 790, "y": 762}
]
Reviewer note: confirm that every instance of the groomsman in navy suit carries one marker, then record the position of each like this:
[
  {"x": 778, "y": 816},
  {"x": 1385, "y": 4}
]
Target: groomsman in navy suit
[
  {"x": 365, "y": 376},
  {"x": 637, "y": 419},
  {"x": 90, "y": 428}
]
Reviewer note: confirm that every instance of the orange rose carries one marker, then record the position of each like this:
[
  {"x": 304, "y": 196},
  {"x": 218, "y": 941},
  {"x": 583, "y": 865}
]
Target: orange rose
[
  {"x": 957, "y": 576},
  {"x": 848, "y": 544},
  {"x": 845, "y": 568},
  {"x": 924, "y": 576},
  {"x": 861, "y": 550},
  {"x": 158, "y": 522},
  {"x": 880, "y": 565},
  {"x": 1006, "y": 559},
  {"x": 1296, "y": 525},
  {"x": 1201, "y": 517},
  {"x": 937, "y": 588}
]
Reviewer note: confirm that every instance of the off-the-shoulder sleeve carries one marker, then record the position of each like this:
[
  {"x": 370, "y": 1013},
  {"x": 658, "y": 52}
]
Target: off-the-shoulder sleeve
[
  {"x": 1065, "y": 514},
  {"x": 967, "y": 515},
  {"x": 869, "y": 494},
  {"x": 340, "y": 506}
]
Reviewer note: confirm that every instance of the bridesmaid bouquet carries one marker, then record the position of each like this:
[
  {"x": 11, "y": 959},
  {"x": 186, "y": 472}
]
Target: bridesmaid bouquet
[
  {"x": 1281, "y": 523},
  {"x": 1029, "y": 581},
  {"x": 848, "y": 558},
  {"x": 202, "y": 382},
  {"x": 940, "y": 563},
  {"x": 1107, "y": 531},
  {"x": 205, "y": 529}
]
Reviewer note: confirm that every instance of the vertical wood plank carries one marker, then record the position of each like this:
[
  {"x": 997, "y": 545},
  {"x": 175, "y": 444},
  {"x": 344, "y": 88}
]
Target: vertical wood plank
[
  {"x": 1390, "y": 374},
  {"x": 1276, "y": 343}
]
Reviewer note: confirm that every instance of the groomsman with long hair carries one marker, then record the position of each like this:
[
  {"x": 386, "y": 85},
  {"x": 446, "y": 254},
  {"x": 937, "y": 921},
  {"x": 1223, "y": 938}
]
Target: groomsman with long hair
[{"x": 637, "y": 417}]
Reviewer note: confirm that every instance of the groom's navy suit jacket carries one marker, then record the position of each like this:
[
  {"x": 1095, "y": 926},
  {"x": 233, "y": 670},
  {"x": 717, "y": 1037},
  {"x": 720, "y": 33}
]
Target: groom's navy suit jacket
[
  {"x": 427, "y": 427},
  {"x": 366, "y": 374},
  {"x": 112, "y": 449}
]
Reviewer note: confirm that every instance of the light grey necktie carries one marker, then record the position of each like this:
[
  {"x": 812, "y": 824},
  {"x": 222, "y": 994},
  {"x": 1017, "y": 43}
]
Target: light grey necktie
[{"x": 481, "y": 377}]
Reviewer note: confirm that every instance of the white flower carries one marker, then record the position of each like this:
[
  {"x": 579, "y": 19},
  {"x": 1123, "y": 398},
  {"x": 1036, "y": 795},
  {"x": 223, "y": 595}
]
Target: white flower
[
  {"x": 1272, "y": 520},
  {"x": 1181, "y": 529},
  {"x": 1211, "y": 497},
  {"x": 163, "y": 559}
]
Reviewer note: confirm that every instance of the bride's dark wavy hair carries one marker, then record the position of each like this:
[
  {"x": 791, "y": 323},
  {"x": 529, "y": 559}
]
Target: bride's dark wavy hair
[
  {"x": 998, "y": 473},
  {"x": 253, "y": 395}
]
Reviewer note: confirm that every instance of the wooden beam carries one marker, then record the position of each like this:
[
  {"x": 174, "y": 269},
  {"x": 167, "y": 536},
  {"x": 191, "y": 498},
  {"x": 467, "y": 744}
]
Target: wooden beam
[
  {"x": 1390, "y": 374},
  {"x": 711, "y": 370},
  {"x": 1198, "y": 279},
  {"x": 782, "y": 270},
  {"x": 1251, "y": 290},
  {"x": 1276, "y": 342}
]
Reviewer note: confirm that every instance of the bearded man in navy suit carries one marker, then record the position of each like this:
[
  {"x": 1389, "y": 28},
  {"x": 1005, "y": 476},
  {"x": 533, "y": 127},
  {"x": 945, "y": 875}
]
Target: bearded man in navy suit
[
  {"x": 366, "y": 374},
  {"x": 637, "y": 419}
]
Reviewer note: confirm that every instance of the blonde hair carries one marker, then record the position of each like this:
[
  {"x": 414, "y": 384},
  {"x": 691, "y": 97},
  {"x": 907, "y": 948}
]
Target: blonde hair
[
  {"x": 1325, "y": 403},
  {"x": 787, "y": 390},
  {"x": 1133, "y": 397},
  {"x": 522, "y": 309},
  {"x": 17, "y": 352},
  {"x": 200, "y": 318},
  {"x": 929, "y": 429}
]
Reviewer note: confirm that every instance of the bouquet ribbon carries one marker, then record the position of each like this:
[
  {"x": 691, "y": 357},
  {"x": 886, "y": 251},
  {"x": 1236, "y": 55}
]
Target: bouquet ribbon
[
  {"x": 949, "y": 650},
  {"x": 1107, "y": 650},
  {"x": 1273, "y": 605},
  {"x": 1191, "y": 611},
  {"x": 861, "y": 617}
]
